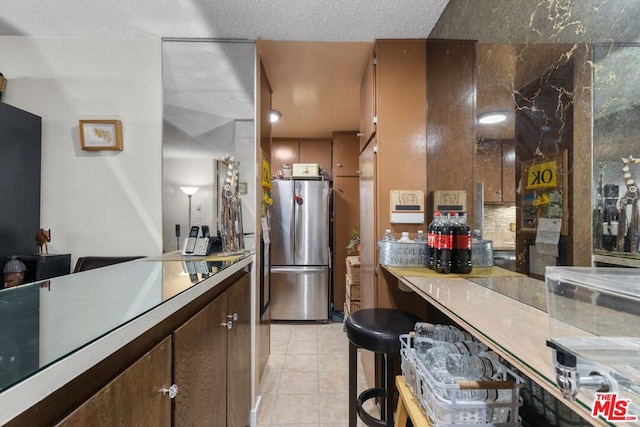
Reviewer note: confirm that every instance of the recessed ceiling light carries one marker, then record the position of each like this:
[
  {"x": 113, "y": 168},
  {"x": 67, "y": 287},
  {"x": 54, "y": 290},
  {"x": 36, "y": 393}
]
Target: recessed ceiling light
[
  {"x": 275, "y": 116},
  {"x": 493, "y": 117}
]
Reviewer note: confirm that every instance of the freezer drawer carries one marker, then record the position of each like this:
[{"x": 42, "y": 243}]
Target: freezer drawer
[{"x": 300, "y": 293}]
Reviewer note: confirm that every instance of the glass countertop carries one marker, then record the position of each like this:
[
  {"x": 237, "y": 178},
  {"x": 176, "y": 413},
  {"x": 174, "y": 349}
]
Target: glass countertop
[
  {"x": 524, "y": 289},
  {"x": 45, "y": 321}
]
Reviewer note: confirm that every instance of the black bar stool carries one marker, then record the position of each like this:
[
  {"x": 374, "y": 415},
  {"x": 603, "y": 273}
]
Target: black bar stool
[{"x": 377, "y": 330}]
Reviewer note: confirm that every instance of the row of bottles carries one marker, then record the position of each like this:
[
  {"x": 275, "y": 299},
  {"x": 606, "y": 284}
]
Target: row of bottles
[
  {"x": 449, "y": 242},
  {"x": 451, "y": 355}
]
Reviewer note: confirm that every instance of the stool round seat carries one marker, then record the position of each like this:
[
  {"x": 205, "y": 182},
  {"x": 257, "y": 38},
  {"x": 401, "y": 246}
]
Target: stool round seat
[{"x": 379, "y": 329}]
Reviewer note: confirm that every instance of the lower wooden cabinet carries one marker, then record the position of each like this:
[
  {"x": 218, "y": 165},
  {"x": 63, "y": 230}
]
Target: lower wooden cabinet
[
  {"x": 200, "y": 353},
  {"x": 208, "y": 356},
  {"x": 133, "y": 398},
  {"x": 212, "y": 362}
]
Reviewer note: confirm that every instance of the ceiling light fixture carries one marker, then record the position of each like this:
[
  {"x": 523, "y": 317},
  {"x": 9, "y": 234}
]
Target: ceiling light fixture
[
  {"x": 493, "y": 117},
  {"x": 275, "y": 116}
]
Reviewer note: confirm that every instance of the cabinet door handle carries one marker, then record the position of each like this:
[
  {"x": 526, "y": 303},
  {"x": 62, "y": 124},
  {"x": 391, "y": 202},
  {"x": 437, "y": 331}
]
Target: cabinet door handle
[
  {"x": 359, "y": 134},
  {"x": 339, "y": 165},
  {"x": 171, "y": 391},
  {"x": 358, "y": 171},
  {"x": 233, "y": 316},
  {"x": 227, "y": 325}
]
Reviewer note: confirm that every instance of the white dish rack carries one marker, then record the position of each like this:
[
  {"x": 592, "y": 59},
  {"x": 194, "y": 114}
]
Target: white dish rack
[{"x": 442, "y": 402}]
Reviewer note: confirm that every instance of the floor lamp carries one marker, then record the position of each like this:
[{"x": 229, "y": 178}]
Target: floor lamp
[{"x": 189, "y": 191}]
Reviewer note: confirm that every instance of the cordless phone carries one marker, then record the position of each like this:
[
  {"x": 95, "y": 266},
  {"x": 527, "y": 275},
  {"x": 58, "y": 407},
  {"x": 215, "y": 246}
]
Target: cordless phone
[{"x": 191, "y": 241}]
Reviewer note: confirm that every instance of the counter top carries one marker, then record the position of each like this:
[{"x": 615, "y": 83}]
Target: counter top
[
  {"x": 506, "y": 312},
  {"x": 54, "y": 330}
]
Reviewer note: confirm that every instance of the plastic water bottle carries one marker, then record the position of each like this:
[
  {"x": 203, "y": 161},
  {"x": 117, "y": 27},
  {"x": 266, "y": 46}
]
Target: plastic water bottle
[
  {"x": 460, "y": 365},
  {"x": 405, "y": 237},
  {"x": 388, "y": 236},
  {"x": 447, "y": 333},
  {"x": 435, "y": 358},
  {"x": 420, "y": 237}
]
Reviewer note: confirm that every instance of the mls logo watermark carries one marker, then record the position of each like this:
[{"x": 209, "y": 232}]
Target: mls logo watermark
[{"x": 612, "y": 408}]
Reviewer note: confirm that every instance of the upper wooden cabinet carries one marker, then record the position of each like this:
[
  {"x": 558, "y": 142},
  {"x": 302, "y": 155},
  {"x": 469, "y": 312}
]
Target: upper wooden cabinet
[
  {"x": 494, "y": 164},
  {"x": 368, "y": 102},
  {"x": 300, "y": 150},
  {"x": 345, "y": 154}
]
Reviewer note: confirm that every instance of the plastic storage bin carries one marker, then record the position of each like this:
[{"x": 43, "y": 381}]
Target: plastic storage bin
[{"x": 442, "y": 402}]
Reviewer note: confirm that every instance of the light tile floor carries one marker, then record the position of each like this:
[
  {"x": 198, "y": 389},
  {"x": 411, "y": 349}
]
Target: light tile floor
[{"x": 306, "y": 380}]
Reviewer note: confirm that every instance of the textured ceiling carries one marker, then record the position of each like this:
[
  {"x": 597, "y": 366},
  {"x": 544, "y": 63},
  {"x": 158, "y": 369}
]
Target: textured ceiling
[
  {"x": 309, "y": 20},
  {"x": 208, "y": 86}
]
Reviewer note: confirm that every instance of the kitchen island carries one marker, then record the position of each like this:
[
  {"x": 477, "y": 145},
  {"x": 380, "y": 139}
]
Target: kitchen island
[
  {"x": 86, "y": 342},
  {"x": 504, "y": 310}
]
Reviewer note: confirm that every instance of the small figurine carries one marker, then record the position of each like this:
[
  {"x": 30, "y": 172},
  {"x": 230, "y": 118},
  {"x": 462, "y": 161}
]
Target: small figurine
[
  {"x": 13, "y": 272},
  {"x": 42, "y": 237}
]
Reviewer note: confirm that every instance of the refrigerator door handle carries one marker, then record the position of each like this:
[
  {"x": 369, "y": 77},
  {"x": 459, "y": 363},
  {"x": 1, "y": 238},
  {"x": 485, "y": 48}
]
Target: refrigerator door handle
[{"x": 297, "y": 269}]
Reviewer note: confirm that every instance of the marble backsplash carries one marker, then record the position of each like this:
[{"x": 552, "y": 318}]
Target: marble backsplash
[{"x": 498, "y": 220}]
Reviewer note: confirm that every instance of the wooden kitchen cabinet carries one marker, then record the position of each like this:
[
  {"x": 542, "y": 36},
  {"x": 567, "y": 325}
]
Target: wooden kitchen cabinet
[
  {"x": 212, "y": 362},
  {"x": 345, "y": 154},
  {"x": 200, "y": 354},
  {"x": 346, "y": 205},
  {"x": 494, "y": 164},
  {"x": 211, "y": 368},
  {"x": 239, "y": 353},
  {"x": 133, "y": 398},
  {"x": 300, "y": 150}
]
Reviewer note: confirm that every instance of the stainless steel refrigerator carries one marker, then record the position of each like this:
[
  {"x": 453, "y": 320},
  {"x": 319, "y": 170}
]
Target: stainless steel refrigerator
[{"x": 300, "y": 250}]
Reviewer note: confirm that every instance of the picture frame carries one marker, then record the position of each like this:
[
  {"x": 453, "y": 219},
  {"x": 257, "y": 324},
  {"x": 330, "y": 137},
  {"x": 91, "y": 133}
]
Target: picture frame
[
  {"x": 242, "y": 187},
  {"x": 101, "y": 135}
]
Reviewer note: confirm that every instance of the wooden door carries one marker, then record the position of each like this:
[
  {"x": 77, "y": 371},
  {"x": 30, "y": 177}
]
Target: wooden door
[
  {"x": 346, "y": 150},
  {"x": 347, "y": 214},
  {"x": 367, "y": 102},
  {"x": 368, "y": 238},
  {"x": 316, "y": 151},
  {"x": 134, "y": 397},
  {"x": 200, "y": 351},
  {"x": 239, "y": 353}
]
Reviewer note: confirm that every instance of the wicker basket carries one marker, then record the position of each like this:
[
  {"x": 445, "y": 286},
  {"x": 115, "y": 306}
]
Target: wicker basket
[
  {"x": 353, "y": 289},
  {"x": 353, "y": 268}
]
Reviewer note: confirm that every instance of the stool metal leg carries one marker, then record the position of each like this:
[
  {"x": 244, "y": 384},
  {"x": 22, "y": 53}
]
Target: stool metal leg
[
  {"x": 389, "y": 387},
  {"x": 382, "y": 377},
  {"x": 353, "y": 384}
]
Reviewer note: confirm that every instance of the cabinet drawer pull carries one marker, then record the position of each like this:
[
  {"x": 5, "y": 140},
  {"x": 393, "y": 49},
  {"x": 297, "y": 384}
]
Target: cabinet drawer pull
[
  {"x": 227, "y": 325},
  {"x": 339, "y": 165},
  {"x": 359, "y": 135},
  {"x": 358, "y": 171},
  {"x": 233, "y": 316},
  {"x": 171, "y": 391}
]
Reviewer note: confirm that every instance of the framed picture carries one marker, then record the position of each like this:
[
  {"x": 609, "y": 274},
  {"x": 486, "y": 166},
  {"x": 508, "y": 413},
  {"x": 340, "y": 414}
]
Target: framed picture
[
  {"x": 242, "y": 187},
  {"x": 101, "y": 134}
]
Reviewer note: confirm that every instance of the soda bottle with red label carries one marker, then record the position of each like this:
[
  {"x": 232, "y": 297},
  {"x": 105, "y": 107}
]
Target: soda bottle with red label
[{"x": 461, "y": 247}]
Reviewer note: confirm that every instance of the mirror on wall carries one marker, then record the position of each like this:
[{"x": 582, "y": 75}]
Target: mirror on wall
[
  {"x": 566, "y": 75},
  {"x": 208, "y": 113},
  {"x": 616, "y": 150}
]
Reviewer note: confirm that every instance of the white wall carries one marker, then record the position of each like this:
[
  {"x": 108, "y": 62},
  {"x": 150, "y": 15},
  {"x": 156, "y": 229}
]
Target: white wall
[{"x": 96, "y": 203}]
